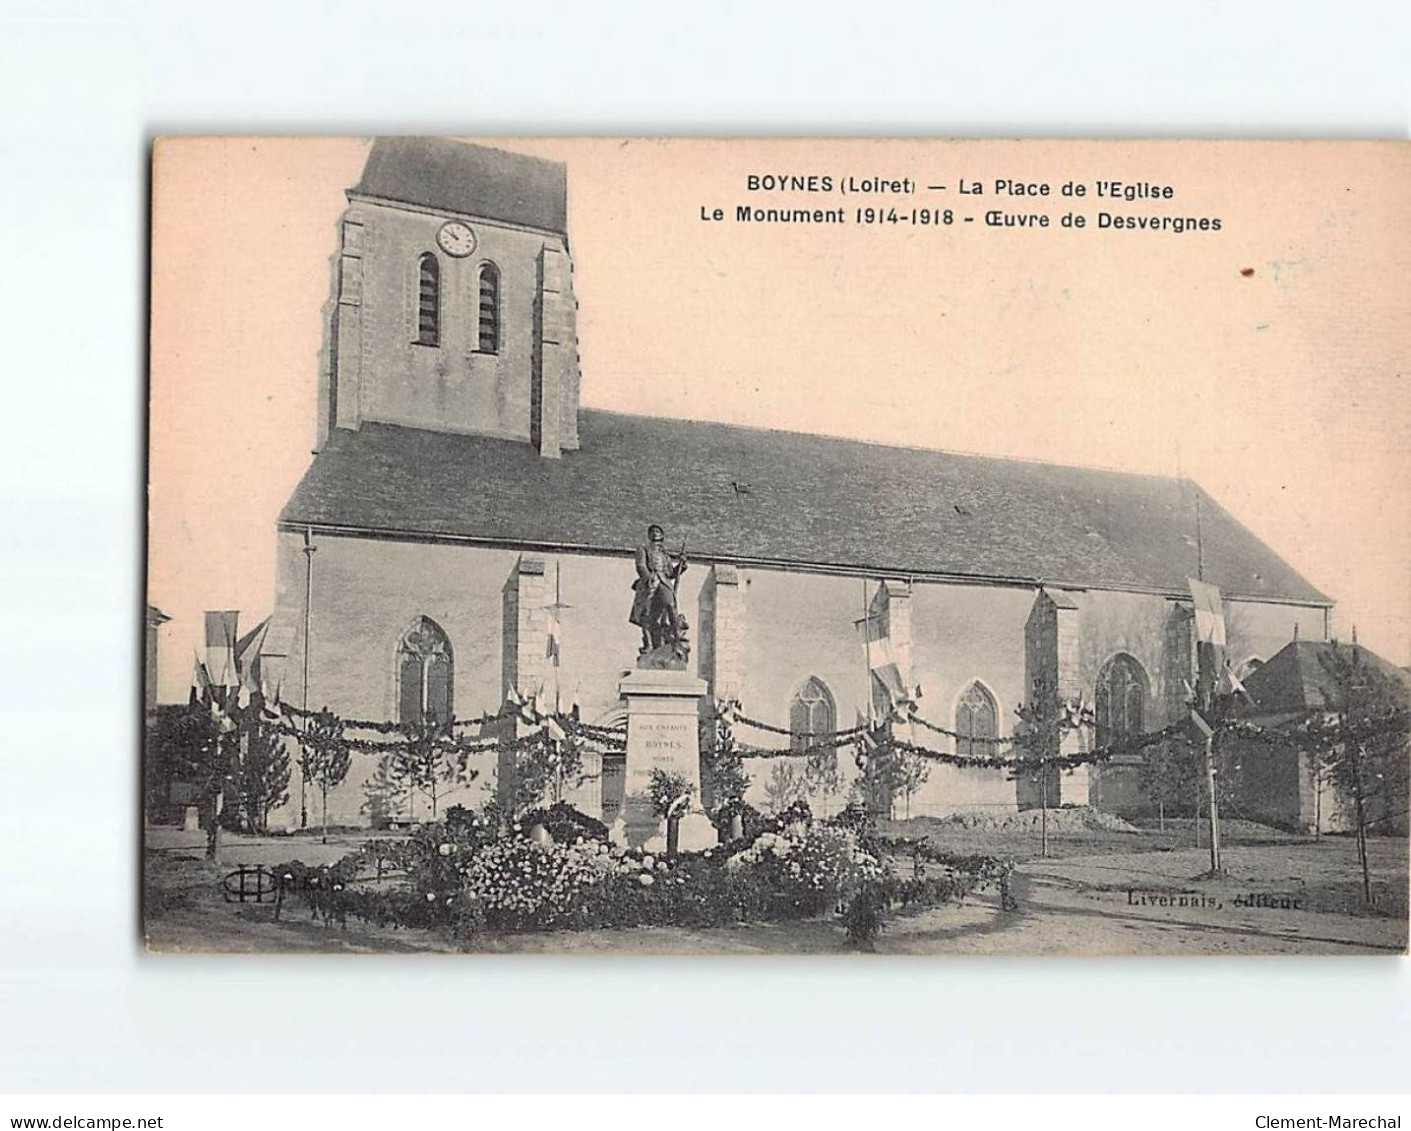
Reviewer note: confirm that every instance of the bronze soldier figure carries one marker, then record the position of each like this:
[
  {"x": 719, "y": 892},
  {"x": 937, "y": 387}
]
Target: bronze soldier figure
[{"x": 654, "y": 591}]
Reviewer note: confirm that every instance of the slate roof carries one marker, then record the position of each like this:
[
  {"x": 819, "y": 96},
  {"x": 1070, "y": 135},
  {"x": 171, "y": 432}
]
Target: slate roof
[
  {"x": 1295, "y": 678},
  {"x": 761, "y": 497},
  {"x": 474, "y": 180}
]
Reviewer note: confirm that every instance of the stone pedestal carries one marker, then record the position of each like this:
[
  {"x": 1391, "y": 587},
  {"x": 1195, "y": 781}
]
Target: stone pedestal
[{"x": 662, "y": 733}]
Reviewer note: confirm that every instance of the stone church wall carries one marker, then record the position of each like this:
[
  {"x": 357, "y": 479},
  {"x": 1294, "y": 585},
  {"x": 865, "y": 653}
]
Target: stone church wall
[
  {"x": 963, "y": 634},
  {"x": 766, "y": 632}
]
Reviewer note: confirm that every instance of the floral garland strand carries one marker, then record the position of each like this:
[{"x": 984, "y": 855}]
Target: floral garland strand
[
  {"x": 456, "y": 743},
  {"x": 771, "y": 729},
  {"x": 975, "y": 738},
  {"x": 872, "y": 740},
  {"x": 527, "y": 713}
]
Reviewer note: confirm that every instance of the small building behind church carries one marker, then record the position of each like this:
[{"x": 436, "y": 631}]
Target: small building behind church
[
  {"x": 462, "y": 503},
  {"x": 1280, "y": 784}
]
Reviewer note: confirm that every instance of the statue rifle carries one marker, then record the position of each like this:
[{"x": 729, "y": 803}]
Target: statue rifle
[{"x": 681, "y": 557}]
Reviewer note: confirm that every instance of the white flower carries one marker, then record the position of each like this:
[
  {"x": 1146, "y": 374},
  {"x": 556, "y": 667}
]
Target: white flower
[
  {"x": 648, "y": 861},
  {"x": 646, "y": 879},
  {"x": 446, "y": 849},
  {"x": 431, "y": 897}
]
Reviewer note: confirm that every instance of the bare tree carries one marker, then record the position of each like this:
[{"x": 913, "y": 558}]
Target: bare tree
[
  {"x": 1360, "y": 743},
  {"x": 325, "y": 756}
]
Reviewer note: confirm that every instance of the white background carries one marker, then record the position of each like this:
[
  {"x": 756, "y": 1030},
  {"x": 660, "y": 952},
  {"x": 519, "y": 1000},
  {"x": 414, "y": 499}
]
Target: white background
[{"x": 83, "y": 88}]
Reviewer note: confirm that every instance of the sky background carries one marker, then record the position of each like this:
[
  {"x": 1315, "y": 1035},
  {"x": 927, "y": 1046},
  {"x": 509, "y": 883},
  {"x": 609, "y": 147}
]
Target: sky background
[{"x": 1280, "y": 390}]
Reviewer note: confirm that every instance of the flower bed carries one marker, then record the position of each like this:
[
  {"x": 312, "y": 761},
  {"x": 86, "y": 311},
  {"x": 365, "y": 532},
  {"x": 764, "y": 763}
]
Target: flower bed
[{"x": 470, "y": 874}]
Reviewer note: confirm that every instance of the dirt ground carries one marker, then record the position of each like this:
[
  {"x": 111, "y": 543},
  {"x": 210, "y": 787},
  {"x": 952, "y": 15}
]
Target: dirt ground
[{"x": 1281, "y": 896}]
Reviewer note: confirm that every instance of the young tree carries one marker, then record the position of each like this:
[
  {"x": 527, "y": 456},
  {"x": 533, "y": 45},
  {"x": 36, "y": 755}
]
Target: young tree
[
  {"x": 566, "y": 770},
  {"x": 881, "y": 776},
  {"x": 725, "y": 773},
  {"x": 1171, "y": 775},
  {"x": 545, "y": 768},
  {"x": 194, "y": 747},
  {"x": 263, "y": 781},
  {"x": 1360, "y": 742},
  {"x": 786, "y": 784},
  {"x": 670, "y": 795},
  {"x": 912, "y": 772},
  {"x": 383, "y": 792},
  {"x": 1042, "y": 725},
  {"x": 822, "y": 778},
  {"x": 325, "y": 756},
  {"x": 427, "y": 756}
]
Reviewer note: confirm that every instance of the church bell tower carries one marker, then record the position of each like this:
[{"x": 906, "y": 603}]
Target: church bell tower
[{"x": 453, "y": 307}]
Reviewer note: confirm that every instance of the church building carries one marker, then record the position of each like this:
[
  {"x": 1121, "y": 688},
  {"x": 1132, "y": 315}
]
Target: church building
[{"x": 466, "y": 531}]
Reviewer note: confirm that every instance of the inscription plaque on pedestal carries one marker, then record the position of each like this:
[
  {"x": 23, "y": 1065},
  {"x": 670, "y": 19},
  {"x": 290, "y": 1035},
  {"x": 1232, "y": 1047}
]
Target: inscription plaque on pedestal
[{"x": 663, "y": 733}]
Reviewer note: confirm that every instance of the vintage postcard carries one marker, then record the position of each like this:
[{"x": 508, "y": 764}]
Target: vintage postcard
[{"x": 778, "y": 546}]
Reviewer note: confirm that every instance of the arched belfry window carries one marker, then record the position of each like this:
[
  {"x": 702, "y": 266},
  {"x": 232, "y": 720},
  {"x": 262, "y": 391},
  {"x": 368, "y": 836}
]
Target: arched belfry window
[
  {"x": 488, "y": 296},
  {"x": 976, "y": 719},
  {"x": 812, "y": 714},
  {"x": 425, "y": 673},
  {"x": 1120, "y": 699},
  {"x": 428, "y": 302}
]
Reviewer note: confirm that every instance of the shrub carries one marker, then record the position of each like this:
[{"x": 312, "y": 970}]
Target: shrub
[
  {"x": 752, "y": 821},
  {"x": 564, "y": 823},
  {"x": 854, "y": 816},
  {"x": 463, "y": 875},
  {"x": 810, "y": 867},
  {"x": 863, "y": 918},
  {"x": 517, "y": 885},
  {"x": 796, "y": 812}
]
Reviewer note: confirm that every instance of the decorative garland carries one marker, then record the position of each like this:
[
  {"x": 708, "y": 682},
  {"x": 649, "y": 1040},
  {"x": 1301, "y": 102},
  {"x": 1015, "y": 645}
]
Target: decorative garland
[
  {"x": 868, "y": 739},
  {"x": 757, "y": 725},
  {"x": 865, "y": 738},
  {"x": 976, "y": 738},
  {"x": 556, "y": 727}
]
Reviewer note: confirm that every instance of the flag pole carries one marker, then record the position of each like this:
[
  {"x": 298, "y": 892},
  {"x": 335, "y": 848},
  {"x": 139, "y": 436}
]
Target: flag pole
[
  {"x": 866, "y": 660},
  {"x": 309, "y": 550},
  {"x": 558, "y": 640}
]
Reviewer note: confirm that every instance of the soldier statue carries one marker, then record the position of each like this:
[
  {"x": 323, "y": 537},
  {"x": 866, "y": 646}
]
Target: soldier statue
[{"x": 654, "y": 601}]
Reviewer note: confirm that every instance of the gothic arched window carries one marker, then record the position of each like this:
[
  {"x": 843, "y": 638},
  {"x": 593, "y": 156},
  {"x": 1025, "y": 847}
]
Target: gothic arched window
[
  {"x": 1120, "y": 700},
  {"x": 976, "y": 718},
  {"x": 488, "y": 340},
  {"x": 812, "y": 714},
  {"x": 428, "y": 301},
  {"x": 425, "y": 671}
]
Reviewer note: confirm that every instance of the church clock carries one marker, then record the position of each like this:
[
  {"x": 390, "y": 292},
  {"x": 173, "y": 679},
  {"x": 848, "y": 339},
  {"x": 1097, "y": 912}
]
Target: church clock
[{"x": 456, "y": 238}]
